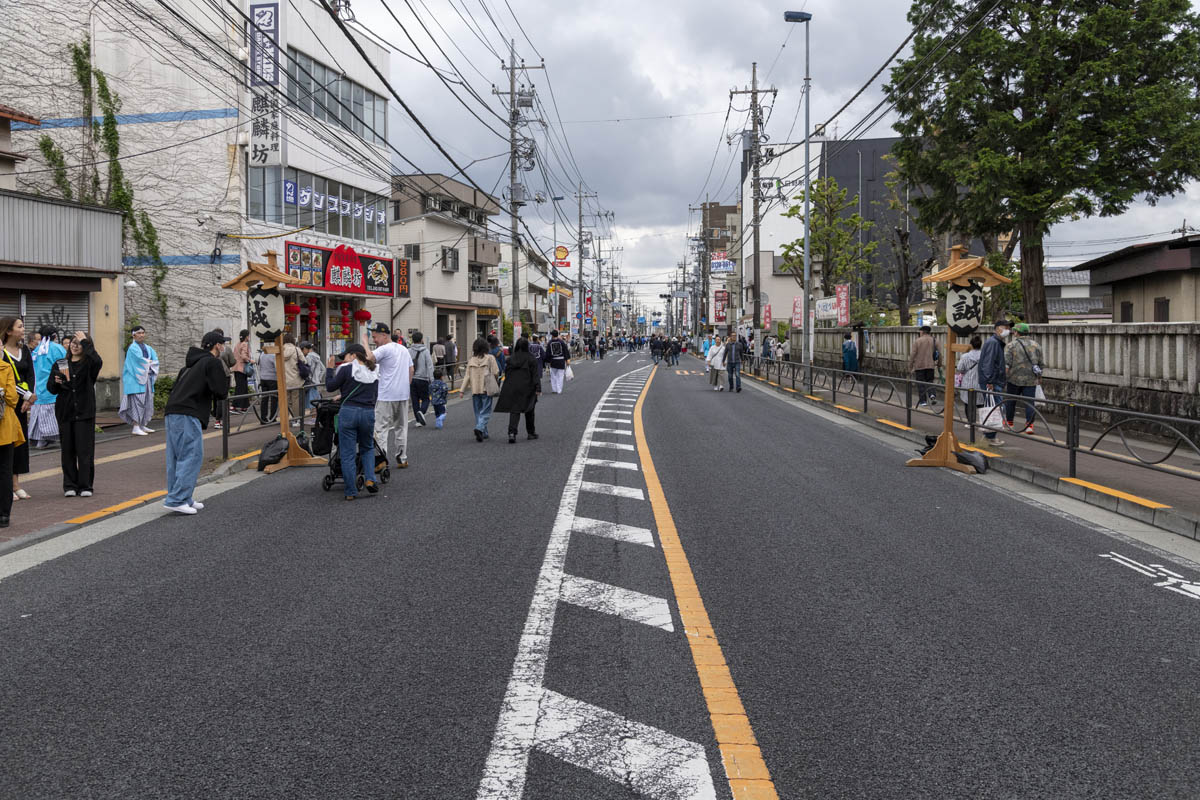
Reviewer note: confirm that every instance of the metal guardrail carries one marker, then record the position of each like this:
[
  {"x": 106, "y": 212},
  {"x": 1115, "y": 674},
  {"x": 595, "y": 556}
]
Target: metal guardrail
[{"x": 1176, "y": 432}]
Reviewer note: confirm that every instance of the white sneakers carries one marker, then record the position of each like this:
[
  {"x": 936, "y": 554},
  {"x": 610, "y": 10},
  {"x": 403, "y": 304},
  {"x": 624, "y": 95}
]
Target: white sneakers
[
  {"x": 69, "y": 493},
  {"x": 196, "y": 504},
  {"x": 192, "y": 509},
  {"x": 85, "y": 493},
  {"x": 138, "y": 430}
]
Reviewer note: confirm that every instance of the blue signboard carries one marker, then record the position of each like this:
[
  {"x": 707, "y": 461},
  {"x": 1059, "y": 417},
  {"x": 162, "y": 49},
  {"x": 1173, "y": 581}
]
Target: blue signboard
[
  {"x": 641, "y": 320},
  {"x": 289, "y": 192}
]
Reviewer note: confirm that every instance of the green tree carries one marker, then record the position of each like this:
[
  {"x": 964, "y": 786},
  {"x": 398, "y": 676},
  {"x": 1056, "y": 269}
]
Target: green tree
[
  {"x": 1046, "y": 110},
  {"x": 834, "y": 237}
]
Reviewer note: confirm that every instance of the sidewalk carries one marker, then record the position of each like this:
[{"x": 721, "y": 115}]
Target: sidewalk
[{"x": 1124, "y": 477}]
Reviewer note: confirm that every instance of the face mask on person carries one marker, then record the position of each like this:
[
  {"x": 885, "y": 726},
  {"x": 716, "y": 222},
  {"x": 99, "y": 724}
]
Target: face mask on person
[{"x": 1004, "y": 333}]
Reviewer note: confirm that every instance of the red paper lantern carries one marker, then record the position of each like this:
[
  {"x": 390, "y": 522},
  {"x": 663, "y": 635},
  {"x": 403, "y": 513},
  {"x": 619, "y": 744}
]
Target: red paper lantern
[
  {"x": 291, "y": 309},
  {"x": 362, "y": 315}
]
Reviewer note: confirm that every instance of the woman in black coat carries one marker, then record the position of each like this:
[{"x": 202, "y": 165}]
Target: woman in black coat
[
  {"x": 75, "y": 409},
  {"x": 520, "y": 391}
]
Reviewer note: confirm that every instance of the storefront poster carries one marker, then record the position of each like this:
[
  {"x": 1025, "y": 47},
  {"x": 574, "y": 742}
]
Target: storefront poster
[
  {"x": 798, "y": 311},
  {"x": 342, "y": 270},
  {"x": 843, "y": 303},
  {"x": 720, "y": 304}
]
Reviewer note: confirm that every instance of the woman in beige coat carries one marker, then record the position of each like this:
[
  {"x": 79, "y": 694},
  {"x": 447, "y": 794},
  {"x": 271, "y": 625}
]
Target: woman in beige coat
[
  {"x": 291, "y": 369},
  {"x": 481, "y": 384}
]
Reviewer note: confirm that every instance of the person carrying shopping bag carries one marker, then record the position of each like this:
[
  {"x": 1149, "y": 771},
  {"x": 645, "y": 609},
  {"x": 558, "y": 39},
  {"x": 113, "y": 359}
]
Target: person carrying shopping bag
[{"x": 481, "y": 383}]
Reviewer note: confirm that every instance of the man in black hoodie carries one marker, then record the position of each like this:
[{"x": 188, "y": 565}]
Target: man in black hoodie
[{"x": 197, "y": 385}]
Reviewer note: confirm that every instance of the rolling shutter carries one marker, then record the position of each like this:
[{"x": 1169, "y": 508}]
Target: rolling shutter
[{"x": 66, "y": 311}]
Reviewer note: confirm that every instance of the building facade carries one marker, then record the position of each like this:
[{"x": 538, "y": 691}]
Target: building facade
[{"x": 1151, "y": 282}]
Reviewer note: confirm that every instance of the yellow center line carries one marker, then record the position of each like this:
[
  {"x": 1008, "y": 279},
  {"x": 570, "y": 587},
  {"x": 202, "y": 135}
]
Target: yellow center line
[{"x": 748, "y": 776}]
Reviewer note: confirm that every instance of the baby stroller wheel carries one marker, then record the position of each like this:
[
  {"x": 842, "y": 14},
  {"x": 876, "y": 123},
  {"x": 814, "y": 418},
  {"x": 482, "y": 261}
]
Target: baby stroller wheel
[
  {"x": 385, "y": 475},
  {"x": 327, "y": 482},
  {"x": 360, "y": 482}
]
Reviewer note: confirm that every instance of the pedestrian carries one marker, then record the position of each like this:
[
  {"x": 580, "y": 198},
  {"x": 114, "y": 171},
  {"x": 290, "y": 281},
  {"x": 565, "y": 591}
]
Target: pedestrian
[
  {"x": 705, "y": 346},
  {"x": 72, "y": 384},
  {"x": 922, "y": 363},
  {"x": 20, "y": 359},
  {"x": 676, "y": 349},
  {"x": 268, "y": 386},
  {"x": 1023, "y": 361},
  {"x": 716, "y": 365},
  {"x": 497, "y": 352},
  {"x": 227, "y": 361},
  {"x": 395, "y": 373},
  {"x": 137, "y": 383},
  {"x": 438, "y": 392},
  {"x": 293, "y": 378},
  {"x": 43, "y": 425},
  {"x": 849, "y": 353},
  {"x": 201, "y": 379},
  {"x": 992, "y": 373},
  {"x": 241, "y": 383},
  {"x": 656, "y": 348},
  {"x": 966, "y": 373},
  {"x": 359, "y": 380},
  {"x": 777, "y": 349},
  {"x": 439, "y": 352},
  {"x": 766, "y": 346},
  {"x": 316, "y": 375},
  {"x": 481, "y": 384},
  {"x": 733, "y": 362},
  {"x": 11, "y": 437},
  {"x": 521, "y": 389},
  {"x": 558, "y": 357},
  {"x": 422, "y": 363},
  {"x": 538, "y": 351},
  {"x": 451, "y": 360},
  {"x": 787, "y": 349}
]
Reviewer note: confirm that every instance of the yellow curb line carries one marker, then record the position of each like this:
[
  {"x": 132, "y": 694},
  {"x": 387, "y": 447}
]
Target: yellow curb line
[
  {"x": 1133, "y": 498},
  {"x": 847, "y": 408},
  {"x": 987, "y": 453},
  {"x": 893, "y": 424},
  {"x": 748, "y": 776},
  {"x": 814, "y": 398}
]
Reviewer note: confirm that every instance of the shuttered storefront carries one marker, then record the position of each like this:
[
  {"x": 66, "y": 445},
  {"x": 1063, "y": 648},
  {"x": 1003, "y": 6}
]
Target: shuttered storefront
[{"x": 66, "y": 311}]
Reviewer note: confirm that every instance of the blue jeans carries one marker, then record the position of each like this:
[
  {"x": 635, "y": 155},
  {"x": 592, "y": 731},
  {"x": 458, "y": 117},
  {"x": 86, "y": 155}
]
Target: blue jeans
[
  {"x": 735, "y": 374},
  {"x": 311, "y": 395},
  {"x": 1010, "y": 407},
  {"x": 483, "y": 411},
  {"x": 356, "y": 432},
  {"x": 185, "y": 456}
]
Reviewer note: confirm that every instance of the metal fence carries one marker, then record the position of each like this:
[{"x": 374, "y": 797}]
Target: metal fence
[{"x": 1172, "y": 436}]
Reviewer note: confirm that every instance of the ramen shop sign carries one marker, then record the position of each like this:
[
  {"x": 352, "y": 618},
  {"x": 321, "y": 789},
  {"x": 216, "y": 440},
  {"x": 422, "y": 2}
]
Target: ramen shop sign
[{"x": 340, "y": 270}]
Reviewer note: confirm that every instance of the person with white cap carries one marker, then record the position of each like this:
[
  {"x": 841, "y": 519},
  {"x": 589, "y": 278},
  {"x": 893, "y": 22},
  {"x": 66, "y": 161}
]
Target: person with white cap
[{"x": 391, "y": 407}]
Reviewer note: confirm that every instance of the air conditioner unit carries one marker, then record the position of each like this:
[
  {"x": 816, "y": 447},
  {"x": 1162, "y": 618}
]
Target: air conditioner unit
[
  {"x": 458, "y": 209},
  {"x": 432, "y": 203}
]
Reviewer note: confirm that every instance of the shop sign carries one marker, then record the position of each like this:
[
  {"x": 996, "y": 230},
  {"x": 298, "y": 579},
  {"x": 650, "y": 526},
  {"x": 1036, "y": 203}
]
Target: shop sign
[
  {"x": 720, "y": 263},
  {"x": 561, "y": 252},
  {"x": 767, "y": 315},
  {"x": 720, "y": 304},
  {"x": 843, "y": 303},
  {"x": 343, "y": 271},
  {"x": 265, "y": 149},
  {"x": 798, "y": 311},
  {"x": 827, "y": 308}
]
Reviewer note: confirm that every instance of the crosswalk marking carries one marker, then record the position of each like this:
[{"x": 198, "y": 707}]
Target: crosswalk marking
[
  {"x": 651, "y": 762},
  {"x": 612, "y": 430},
  {"x": 615, "y": 491},
  {"x": 614, "y": 420},
  {"x": 616, "y": 600},
  {"x": 611, "y": 445},
  {"x": 614, "y": 530},
  {"x": 604, "y": 462},
  {"x": 620, "y": 413}
]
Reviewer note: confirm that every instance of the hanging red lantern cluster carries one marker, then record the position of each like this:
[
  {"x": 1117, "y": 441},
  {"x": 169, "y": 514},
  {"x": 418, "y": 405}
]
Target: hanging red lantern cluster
[
  {"x": 346, "y": 318},
  {"x": 312, "y": 315},
  {"x": 362, "y": 315},
  {"x": 291, "y": 309}
]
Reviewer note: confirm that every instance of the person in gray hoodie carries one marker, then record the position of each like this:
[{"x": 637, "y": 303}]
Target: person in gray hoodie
[{"x": 422, "y": 375}]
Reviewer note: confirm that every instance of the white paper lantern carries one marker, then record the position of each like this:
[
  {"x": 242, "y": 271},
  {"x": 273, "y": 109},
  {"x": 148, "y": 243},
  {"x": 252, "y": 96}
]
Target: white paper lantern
[
  {"x": 964, "y": 307},
  {"x": 266, "y": 313}
]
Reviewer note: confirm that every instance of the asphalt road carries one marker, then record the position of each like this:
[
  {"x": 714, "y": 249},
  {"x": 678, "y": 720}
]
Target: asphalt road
[{"x": 891, "y": 632}]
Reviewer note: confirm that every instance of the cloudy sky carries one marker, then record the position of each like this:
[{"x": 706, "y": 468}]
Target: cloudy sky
[{"x": 629, "y": 59}]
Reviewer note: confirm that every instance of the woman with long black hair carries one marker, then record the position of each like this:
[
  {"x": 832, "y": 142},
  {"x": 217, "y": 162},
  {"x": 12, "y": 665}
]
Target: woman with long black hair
[
  {"x": 73, "y": 382},
  {"x": 358, "y": 381},
  {"x": 521, "y": 389},
  {"x": 18, "y": 356}
]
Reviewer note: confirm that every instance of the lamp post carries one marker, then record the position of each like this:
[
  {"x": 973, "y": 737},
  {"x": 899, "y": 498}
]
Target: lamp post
[{"x": 803, "y": 16}]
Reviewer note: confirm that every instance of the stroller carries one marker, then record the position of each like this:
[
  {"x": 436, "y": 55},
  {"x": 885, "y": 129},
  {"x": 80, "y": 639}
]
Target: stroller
[{"x": 324, "y": 441}]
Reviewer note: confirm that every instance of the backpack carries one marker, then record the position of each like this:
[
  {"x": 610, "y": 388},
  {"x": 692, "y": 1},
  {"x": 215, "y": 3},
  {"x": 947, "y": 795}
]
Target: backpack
[{"x": 273, "y": 452}]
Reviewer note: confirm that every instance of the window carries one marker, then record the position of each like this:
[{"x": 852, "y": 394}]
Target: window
[
  {"x": 254, "y": 193},
  {"x": 368, "y": 114},
  {"x": 369, "y": 234},
  {"x": 357, "y": 118},
  {"x": 347, "y": 106},
  {"x": 412, "y": 252},
  {"x": 304, "y": 84},
  {"x": 330, "y": 97},
  {"x": 380, "y": 217},
  {"x": 273, "y": 194},
  {"x": 290, "y": 209},
  {"x": 1162, "y": 309},
  {"x": 358, "y": 199},
  {"x": 304, "y": 188},
  {"x": 332, "y": 203},
  {"x": 319, "y": 98},
  {"x": 380, "y": 120},
  {"x": 450, "y": 259},
  {"x": 1126, "y": 311},
  {"x": 395, "y": 211}
]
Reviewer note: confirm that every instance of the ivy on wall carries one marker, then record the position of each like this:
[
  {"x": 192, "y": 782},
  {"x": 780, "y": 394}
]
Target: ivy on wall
[{"x": 103, "y": 147}]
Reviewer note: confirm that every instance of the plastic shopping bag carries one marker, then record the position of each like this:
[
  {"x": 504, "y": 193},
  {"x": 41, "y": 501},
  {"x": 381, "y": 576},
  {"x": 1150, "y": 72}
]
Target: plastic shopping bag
[
  {"x": 570, "y": 373},
  {"x": 1039, "y": 394},
  {"x": 990, "y": 415}
]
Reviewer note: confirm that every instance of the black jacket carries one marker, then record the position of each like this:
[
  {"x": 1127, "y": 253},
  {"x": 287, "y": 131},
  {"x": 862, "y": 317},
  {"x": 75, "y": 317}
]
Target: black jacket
[
  {"x": 75, "y": 399},
  {"x": 521, "y": 384},
  {"x": 557, "y": 354},
  {"x": 197, "y": 384}
]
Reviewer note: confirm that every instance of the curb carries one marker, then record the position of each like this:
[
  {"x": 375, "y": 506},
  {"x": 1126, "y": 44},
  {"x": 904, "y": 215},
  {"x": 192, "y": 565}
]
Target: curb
[
  {"x": 1168, "y": 519},
  {"x": 230, "y": 467}
]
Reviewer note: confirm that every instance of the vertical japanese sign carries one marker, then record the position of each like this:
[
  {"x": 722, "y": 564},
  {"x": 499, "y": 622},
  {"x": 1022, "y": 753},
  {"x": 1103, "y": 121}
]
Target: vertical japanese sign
[
  {"x": 720, "y": 304},
  {"x": 266, "y": 143},
  {"x": 843, "y": 303},
  {"x": 766, "y": 316},
  {"x": 798, "y": 311}
]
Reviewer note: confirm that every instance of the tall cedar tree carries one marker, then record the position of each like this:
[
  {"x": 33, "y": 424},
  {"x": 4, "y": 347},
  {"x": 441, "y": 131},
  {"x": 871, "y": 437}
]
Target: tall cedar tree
[{"x": 1048, "y": 110}]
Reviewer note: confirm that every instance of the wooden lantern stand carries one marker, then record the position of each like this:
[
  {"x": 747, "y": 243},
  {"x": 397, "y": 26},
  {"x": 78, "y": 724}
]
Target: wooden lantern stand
[
  {"x": 959, "y": 272},
  {"x": 269, "y": 277}
]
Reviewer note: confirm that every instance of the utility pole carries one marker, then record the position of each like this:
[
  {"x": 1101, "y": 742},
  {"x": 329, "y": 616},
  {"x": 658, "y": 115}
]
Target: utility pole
[
  {"x": 579, "y": 307},
  {"x": 755, "y": 164},
  {"x": 514, "y": 188}
]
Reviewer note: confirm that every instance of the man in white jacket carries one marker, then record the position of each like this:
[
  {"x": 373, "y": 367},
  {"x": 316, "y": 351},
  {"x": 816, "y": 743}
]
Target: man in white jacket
[{"x": 716, "y": 365}]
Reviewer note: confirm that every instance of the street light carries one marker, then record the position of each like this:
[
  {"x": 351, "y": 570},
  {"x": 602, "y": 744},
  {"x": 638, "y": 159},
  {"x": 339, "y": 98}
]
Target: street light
[{"x": 804, "y": 16}]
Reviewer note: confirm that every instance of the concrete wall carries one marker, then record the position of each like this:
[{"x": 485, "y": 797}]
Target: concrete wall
[{"x": 1151, "y": 368}]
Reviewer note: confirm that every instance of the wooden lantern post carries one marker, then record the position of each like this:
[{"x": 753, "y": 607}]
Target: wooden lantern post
[
  {"x": 268, "y": 276},
  {"x": 960, "y": 272}
]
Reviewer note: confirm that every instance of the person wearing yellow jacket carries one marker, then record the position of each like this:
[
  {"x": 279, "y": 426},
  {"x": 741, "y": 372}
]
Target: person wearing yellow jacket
[{"x": 11, "y": 437}]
